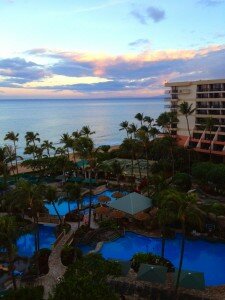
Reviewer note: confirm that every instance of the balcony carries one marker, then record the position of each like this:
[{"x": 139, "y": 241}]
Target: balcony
[{"x": 184, "y": 91}]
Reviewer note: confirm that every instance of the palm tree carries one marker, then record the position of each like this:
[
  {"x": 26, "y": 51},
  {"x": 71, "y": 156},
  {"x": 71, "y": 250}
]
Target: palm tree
[
  {"x": 166, "y": 120},
  {"x": 14, "y": 137},
  {"x": 148, "y": 120},
  {"x": 4, "y": 170},
  {"x": 31, "y": 139},
  {"x": 140, "y": 117},
  {"x": 187, "y": 213},
  {"x": 132, "y": 130},
  {"x": 208, "y": 124},
  {"x": 67, "y": 141},
  {"x": 117, "y": 170},
  {"x": 46, "y": 145},
  {"x": 143, "y": 137},
  {"x": 61, "y": 151},
  {"x": 33, "y": 195},
  {"x": 165, "y": 214},
  {"x": 86, "y": 131},
  {"x": 85, "y": 149},
  {"x": 124, "y": 126},
  {"x": 51, "y": 197},
  {"x": 74, "y": 194},
  {"x": 9, "y": 233},
  {"x": 186, "y": 110}
]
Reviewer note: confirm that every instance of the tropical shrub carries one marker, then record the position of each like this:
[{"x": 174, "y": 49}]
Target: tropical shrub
[
  {"x": 182, "y": 181},
  {"x": 86, "y": 279},
  {"x": 152, "y": 259},
  {"x": 67, "y": 255},
  {"x": 73, "y": 216},
  {"x": 111, "y": 224},
  {"x": 81, "y": 231},
  {"x": 210, "y": 174},
  {"x": 25, "y": 293}
]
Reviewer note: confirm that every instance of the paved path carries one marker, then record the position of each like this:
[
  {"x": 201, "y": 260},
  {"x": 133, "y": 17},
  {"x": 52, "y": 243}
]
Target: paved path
[{"x": 56, "y": 268}]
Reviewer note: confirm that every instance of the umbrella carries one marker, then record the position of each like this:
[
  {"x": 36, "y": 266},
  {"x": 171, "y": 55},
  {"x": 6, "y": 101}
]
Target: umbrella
[
  {"x": 125, "y": 266},
  {"x": 116, "y": 214},
  {"x": 117, "y": 195},
  {"x": 104, "y": 199},
  {"x": 101, "y": 210},
  {"x": 191, "y": 279},
  {"x": 142, "y": 216},
  {"x": 152, "y": 273}
]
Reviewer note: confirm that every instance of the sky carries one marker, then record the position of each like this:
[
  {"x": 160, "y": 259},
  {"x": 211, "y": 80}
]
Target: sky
[{"x": 107, "y": 48}]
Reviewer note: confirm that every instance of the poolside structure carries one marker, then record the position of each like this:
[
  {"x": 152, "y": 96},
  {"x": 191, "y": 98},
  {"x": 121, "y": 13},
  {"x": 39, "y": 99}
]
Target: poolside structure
[
  {"x": 152, "y": 273},
  {"x": 191, "y": 280},
  {"x": 132, "y": 203}
]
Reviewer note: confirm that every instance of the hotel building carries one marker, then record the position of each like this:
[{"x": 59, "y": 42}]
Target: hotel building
[{"x": 208, "y": 99}]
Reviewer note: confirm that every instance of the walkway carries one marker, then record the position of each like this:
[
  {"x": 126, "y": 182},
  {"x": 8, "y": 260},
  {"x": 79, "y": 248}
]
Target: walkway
[{"x": 56, "y": 268}]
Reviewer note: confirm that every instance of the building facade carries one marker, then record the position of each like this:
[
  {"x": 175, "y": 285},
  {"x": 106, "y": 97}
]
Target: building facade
[{"x": 208, "y": 99}]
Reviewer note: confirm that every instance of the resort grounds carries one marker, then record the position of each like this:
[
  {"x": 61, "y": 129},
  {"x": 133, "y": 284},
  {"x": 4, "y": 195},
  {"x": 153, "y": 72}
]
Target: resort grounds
[{"x": 141, "y": 220}]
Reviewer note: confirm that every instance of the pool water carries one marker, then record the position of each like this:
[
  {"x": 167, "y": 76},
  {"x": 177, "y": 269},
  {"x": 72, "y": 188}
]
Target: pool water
[
  {"x": 63, "y": 209},
  {"x": 199, "y": 255},
  {"x": 26, "y": 243}
]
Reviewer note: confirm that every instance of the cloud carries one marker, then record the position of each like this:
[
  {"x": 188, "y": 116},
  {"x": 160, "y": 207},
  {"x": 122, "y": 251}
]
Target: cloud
[
  {"x": 92, "y": 74},
  {"x": 153, "y": 13},
  {"x": 140, "y": 17},
  {"x": 156, "y": 14},
  {"x": 16, "y": 71},
  {"x": 210, "y": 2},
  {"x": 139, "y": 42}
]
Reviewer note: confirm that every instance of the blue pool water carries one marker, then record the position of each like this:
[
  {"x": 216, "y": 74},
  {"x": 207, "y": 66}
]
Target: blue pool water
[
  {"x": 199, "y": 255},
  {"x": 62, "y": 206},
  {"x": 26, "y": 244}
]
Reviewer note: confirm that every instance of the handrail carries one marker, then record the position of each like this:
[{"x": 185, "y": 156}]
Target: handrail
[{"x": 58, "y": 239}]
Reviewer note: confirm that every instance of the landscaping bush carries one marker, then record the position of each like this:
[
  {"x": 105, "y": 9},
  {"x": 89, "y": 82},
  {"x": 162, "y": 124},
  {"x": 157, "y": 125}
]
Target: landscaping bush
[
  {"x": 149, "y": 258},
  {"x": 80, "y": 232},
  {"x": 215, "y": 208},
  {"x": 182, "y": 181},
  {"x": 73, "y": 216},
  {"x": 210, "y": 175},
  {"x": 87, "y": 279},
  {"x": 61, "y": 227},
  {"x": 67, "y": 255},
  {"x": 43, "y": 256},
  {"x": 24, "y": 293},
  {"x": 111, "y": 224}
]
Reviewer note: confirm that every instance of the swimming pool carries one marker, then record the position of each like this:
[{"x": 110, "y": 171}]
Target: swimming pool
[
  {"x": 26, "y": 245},
  {"x": 199, "y": 255},
  {"x": 63, "y": 206}
]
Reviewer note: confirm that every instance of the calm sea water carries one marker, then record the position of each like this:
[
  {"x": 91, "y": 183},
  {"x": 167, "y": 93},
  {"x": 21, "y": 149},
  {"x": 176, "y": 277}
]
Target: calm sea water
[{"x": 52, "y": 118}]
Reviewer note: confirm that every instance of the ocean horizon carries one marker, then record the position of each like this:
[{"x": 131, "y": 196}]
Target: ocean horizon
[{"x": 53, "y": 117}]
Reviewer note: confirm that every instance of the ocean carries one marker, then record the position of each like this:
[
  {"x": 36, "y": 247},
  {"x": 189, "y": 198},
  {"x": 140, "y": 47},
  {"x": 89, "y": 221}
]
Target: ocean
[{"x": 51, "y": 118}]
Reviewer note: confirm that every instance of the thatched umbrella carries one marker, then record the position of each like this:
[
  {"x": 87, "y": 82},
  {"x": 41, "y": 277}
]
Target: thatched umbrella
[
  {"x": 102, "y": 210},
  {"x": 104, "y": 198},
  {"x": 142, "y": 216},
  {"x": 116, "y": 214},
  {"x": 117, "y": 195}
]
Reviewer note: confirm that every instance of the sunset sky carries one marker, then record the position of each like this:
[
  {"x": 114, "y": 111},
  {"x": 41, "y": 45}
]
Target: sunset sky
[{"x": 107, "y": 48}]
